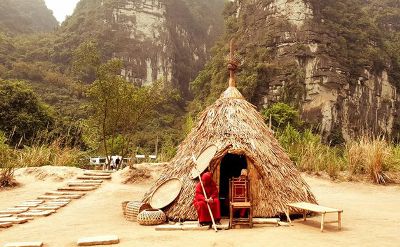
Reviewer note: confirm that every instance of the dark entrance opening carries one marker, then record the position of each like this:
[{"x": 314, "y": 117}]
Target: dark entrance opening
[{"x": 231, "y": 165}]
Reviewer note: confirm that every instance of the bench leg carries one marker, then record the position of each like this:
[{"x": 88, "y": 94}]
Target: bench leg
[
  {"x": 340, "y": 220},
  {"x": 322, "y": 222},
  {"x": 304, "y": 215},
  {"x": 288, "y": 216}
]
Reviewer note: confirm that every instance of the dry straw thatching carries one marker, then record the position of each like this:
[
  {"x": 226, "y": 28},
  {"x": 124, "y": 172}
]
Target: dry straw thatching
[{"x": 235, "y": 126}]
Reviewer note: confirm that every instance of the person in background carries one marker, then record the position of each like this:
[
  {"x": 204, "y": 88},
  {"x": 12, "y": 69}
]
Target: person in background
[
  {"x": 117, "y": 161},
  {"x": 200, "y": 201},
  {"x": 112, "y": 164}
]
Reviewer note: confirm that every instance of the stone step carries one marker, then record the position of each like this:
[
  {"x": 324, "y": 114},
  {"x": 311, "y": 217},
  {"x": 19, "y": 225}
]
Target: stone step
[
  {"x": 73, "y": 184},
  {"x": 58, "y": 193},
  {"x": 70, "y": 196},
  {"x": 60, "y": 200},
  {"x": 99, "y": 240},
  {"x": 48, "y": 207},
  {"x": 47, "y": 197},
  {"x": 179, "y": 227},
  {"x": 59, "y": 204},
  {"x": 96, "y": 174},
  {"x": 34, "y": 201},
  {"x": 89, "y": 181},
  {"x": 266, "y": 221},
  {"x": 24, "y": 244},
  {"x": 93, "y": 177},
  {"x": 29, "y": 204},
  {"x": 100, "y": 171},
  {"x": 5, "y": 215},
  {"x": 85, "y": 188},
  {"x": 5, "y": 224},
  {"x": 36, "y": 213},
  {"x": 14, "y": 210},
  {"x": 14, "y": 220}
]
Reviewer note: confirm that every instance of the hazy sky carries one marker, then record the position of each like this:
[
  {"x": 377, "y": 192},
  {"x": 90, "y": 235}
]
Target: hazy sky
[{"x": 61, "y": 8}]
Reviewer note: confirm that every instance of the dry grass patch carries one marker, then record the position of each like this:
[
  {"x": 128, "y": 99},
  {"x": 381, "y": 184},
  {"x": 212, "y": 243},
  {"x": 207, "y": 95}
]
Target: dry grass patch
[
  {"x": 371, "y": 156},
  {"x": 132, "y": 174}
]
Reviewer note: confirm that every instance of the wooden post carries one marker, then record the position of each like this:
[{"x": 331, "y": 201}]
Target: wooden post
[
  {"x": 339, "y": 220},
  {"x": 232, "y": 66},
  {"x": 304, "y": 215},
  {"x": 288, "y": 215},
  {"x": 322, "y": 221}
]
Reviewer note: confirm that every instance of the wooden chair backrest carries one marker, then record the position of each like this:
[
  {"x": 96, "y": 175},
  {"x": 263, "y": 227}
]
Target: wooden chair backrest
[{"x": 239, "y": 190}]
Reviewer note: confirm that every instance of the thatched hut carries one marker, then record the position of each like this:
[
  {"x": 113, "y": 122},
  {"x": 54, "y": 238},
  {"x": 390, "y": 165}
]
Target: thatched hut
[{"x": 243, "y": 141}]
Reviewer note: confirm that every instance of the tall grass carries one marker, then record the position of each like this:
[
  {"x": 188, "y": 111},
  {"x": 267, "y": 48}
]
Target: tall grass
[
  {"x": 54, "y": 154},
  {"x": 309, "y": 153},
  {"x": 7, "y": 164},
  {"x": 373, "y": 157}
]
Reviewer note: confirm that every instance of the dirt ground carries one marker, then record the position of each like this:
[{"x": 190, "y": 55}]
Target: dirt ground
[{"x": 371, "y": 216}]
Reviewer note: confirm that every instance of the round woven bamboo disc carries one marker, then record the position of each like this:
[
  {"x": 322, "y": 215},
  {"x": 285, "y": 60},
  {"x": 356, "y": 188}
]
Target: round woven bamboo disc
[
  {"x": 203, "y": 161},
  {"x": 165, "y": 193}
]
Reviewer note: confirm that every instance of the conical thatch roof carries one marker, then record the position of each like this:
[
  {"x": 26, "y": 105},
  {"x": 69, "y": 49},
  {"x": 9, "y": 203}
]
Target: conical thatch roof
[{"x": 235, "y": 126}]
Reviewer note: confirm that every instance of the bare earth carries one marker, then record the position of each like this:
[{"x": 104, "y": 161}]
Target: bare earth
[{"x": 371, "y": 217}]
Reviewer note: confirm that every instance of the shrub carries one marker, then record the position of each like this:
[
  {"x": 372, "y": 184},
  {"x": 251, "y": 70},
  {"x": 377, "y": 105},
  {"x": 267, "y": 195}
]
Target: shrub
[
  {"x": 54, "y": 154},
  {"x": 281, "y": 115},
  {"x": 7, "y": 164},
  {"x": 372, "y": 156},
  {"x": 316, "y": 157},
  {"x": 308, "y": 152}
]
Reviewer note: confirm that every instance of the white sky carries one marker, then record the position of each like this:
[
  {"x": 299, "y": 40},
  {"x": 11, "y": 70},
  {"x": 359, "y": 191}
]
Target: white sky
[{"x": 61, "y": 8}]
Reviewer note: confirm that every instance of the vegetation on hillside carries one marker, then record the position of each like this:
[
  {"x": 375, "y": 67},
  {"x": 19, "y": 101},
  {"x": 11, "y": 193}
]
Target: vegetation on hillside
[
  {"x": 26, "y": 16},
  {"x": 373, "y": 157},
  {"x": 90, "y": 109}
]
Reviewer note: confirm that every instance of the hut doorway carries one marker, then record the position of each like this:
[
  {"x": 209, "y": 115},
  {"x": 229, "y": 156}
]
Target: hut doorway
[{"x": 231, "y": 165}]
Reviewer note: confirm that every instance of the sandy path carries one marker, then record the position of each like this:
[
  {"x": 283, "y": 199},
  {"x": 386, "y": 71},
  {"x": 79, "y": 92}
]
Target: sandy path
[{"x": 371, "y": 218}]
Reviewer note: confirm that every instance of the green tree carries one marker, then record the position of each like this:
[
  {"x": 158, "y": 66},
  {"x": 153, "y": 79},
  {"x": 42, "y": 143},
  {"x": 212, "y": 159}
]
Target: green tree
[
  {"x": 282, "y": 115},
  {"x": 86, "y": 61},
  {"x": 119, "y": 107},
  {"x": 22, "y": 114}
]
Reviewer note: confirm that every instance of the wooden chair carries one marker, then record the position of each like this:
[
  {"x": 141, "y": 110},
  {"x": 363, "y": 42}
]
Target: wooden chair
[{"x": 239, "y": 198}]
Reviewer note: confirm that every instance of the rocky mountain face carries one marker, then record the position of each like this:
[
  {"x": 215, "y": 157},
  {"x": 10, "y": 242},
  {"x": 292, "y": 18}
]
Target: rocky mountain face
[
  {"x": 165, "y": 40},
  {"x": 25, "y": 17},
  {"x": 329, "y": 58}
]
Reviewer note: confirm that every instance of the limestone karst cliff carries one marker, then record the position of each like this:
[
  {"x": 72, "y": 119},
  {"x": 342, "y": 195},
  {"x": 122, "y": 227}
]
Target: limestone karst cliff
[
  {"x": 331, "y": 59},
  {"x": 156, "y": 39}
]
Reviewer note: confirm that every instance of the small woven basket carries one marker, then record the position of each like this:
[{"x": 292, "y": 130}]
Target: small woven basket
[
  {"x": 150, "y": 217},
  {"x": 133, "y": 208}
]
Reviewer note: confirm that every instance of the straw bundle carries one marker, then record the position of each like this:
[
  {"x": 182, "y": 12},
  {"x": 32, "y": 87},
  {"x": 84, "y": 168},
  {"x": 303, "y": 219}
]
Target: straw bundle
[{"x": 235, "y": 126}]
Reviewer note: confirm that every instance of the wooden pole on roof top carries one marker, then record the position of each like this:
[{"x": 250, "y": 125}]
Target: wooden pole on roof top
[{"x": 232, "y": 66}]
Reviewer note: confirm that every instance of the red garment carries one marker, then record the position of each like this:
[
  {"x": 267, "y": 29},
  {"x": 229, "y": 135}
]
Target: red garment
[{"x": 199, "y": 200}]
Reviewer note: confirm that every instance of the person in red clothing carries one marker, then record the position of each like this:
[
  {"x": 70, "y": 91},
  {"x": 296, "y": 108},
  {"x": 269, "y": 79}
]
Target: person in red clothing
[{"x": 200, "y": 202}]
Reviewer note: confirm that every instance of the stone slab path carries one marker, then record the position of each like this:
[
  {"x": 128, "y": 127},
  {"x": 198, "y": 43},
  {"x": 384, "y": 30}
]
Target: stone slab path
[{"x": 50, "y": 202}]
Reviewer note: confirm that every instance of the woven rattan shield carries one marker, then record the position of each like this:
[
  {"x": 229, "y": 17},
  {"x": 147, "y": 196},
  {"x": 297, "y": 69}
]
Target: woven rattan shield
[
  {"x": 203, "y": 161},
  {"x": 165, "y": 193}
]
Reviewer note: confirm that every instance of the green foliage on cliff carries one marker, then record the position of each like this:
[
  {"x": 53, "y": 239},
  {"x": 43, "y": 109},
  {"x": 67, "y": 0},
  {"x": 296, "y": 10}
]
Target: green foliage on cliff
[
  {"x": 349, "y": 37},
  {"x": 358, "y": 34},
  {"x": 362, "y": 34},
  {"x": 281, "y": 115}
]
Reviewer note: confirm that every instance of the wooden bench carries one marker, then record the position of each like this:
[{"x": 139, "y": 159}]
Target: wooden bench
[{"x": 309, "y": 207}]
